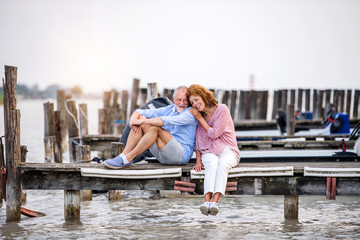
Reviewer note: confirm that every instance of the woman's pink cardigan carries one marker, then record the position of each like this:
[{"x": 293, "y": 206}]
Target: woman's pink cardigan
[{"x": 220, "y": 134}]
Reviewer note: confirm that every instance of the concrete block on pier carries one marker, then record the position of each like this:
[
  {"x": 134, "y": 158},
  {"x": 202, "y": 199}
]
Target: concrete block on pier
[
  {"x": 331, "y": 172},
  {"x": 132, "y": 174},
  {"x": 251, "y": 172}
]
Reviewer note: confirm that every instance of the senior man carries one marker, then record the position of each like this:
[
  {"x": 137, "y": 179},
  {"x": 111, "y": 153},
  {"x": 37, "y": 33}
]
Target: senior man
[{"x": 168, "y": 132}]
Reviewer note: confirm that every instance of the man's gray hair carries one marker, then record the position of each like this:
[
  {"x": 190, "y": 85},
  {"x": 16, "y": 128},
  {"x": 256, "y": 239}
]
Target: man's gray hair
[{"x": 179, "y": 88}]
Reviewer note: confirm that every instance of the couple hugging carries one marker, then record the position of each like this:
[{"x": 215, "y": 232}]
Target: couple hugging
[{"x": 169, "y": 133}]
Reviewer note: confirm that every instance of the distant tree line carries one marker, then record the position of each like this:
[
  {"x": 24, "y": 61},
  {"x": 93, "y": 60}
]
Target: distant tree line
[{"x": 35, "y": 93}]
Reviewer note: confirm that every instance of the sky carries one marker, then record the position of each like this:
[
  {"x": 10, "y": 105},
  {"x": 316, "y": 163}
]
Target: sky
[{"x": 105, "y": 44}]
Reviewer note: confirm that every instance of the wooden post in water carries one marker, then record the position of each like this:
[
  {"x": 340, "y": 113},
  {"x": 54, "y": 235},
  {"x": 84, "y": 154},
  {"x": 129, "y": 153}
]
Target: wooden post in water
[
  {"x": 327, "y": 97},
  {"x": 73, "y": 128},
  {"x": 152, "y": 91},
  {"x": 348, "y": 102},
  {"x": 124, "y": 104},
  {"x": 83, "y": 119},
  {"x": 356, "y": 104},
  {"x": 115, "y": 150},
  {"x": 284, "y": 99},
  {"x": 291, "y": 207},
  {"x": 290, "y": 120},
  {"x": 49, "y": 133},
  {"x": 336, "y": 98},
  {"x": 61, "y": 121},
  {"x": 58, "y": 136},
  {"x": 276, "y": 104},
  {"x": 292, "y": 96},
  {"x": 241, "y": 107},
  {"x": 71, "y": 205},
  {"x": 12, "y": 143},
  {"x": 307, "y": 99},
  {"x": 316, "y": 104},
  {"x": 342, "y": 100},
  {"x": 233, "y": 103},
  {"x": 134, "y": 95},
  {"x": 142, "y": 97},
  {"x": 2, "y": 164},
  {"x": 72, "y": 197},
  {"x": 168, "y": 93},
  {"x": 23, "y": 150},
  {"x": 300, "y": 100},
  {"x": 226, "y": 98},
  {"x": 109, "y": 114},
  {"x": 83, "y": 153},
  {"x": 102, "y": 121}
]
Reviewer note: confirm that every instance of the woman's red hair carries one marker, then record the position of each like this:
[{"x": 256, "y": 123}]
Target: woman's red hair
[{"x": 206, "y": 95}]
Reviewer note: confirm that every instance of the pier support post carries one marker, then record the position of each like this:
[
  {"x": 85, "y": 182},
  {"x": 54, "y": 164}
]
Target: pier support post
[
  {"x": 71, "y": 205},
  {"x": 12, "y": 143},
  {"x": 291, "y": 206},
  {"x": 115, "y": 150},
  {"x": 83, "y": 153}
]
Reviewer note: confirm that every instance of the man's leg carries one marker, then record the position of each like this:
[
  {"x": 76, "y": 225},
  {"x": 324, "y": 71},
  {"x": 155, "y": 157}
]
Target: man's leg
[
  {"x": 153, "y": 134},
  {"x": 134, "y": 137}
]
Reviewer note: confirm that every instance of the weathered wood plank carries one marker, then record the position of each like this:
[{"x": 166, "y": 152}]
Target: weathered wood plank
[{"x": 309, "y": 144}]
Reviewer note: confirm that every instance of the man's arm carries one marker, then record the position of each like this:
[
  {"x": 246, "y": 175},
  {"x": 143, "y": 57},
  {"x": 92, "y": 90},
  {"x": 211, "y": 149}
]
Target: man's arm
[
  {"x": 151, "y": 121},
  {"x": 185, "y": 118}
]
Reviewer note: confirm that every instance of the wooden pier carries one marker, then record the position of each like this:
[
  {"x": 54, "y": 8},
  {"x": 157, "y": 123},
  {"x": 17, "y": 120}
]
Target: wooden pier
[
  {"x": 256, "y": 179},
  {"x": 328, "y": 177}
]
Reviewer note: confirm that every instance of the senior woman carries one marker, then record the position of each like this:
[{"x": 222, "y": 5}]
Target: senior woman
[{"x": 216, "y": 147}]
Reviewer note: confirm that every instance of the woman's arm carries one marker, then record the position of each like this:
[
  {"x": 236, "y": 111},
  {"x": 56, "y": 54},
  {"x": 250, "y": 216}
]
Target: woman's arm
[
  {"x": 200, "y": 118},
  {"x": 198, "y": 166}
]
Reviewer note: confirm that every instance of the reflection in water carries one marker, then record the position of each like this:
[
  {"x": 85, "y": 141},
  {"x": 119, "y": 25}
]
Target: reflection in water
[
  {"x": 244, "y": 217},
  {"x": 137, "y": 216},
  {"x": 291, "y": 225},
  {"x": 10, "y": 230}
]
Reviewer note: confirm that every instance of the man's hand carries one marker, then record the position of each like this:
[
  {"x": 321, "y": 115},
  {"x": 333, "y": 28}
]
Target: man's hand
[{"x": 135, "y": 122}]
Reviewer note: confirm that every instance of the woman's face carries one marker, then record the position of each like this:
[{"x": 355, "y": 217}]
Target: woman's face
[{"x": 197, "y": 102}]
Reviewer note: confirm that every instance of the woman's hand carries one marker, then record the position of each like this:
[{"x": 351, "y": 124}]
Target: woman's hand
[
  {"x": 198, "y": 167},
  {"x": 195, "y": 113}
]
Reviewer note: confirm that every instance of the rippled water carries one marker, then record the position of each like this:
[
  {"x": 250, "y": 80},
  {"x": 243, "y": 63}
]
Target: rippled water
[{"x": 137, "y": 216}]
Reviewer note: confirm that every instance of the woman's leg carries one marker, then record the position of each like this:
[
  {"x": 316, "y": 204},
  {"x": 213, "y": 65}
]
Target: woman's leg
[
  {"x": 210, "y": 162},
  {"x": 227, "y": 160}
]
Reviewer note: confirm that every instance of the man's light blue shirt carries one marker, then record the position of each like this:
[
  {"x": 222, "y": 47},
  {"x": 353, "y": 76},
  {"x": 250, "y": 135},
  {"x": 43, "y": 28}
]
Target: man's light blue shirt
[{"x": 182, "y": 126}]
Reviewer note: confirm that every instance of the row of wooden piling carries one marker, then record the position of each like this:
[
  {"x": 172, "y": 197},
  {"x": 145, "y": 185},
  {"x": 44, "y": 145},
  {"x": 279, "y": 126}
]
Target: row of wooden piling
[{"x": 259, "y": 105}]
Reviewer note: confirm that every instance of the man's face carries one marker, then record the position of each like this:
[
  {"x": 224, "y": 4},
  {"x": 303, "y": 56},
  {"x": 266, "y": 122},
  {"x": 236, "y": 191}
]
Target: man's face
[{"x": 181, "y": 101}]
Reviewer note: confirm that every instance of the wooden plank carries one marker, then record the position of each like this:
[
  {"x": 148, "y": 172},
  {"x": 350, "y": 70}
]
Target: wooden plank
[{"x": 308, "y": 144}]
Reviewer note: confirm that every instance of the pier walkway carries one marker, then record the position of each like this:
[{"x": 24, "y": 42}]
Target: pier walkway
[{"x": 67, "y": 176}]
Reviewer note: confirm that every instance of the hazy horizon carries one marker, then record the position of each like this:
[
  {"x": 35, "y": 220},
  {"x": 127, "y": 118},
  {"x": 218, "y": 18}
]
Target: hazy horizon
[{"x": 100, "y": 45}]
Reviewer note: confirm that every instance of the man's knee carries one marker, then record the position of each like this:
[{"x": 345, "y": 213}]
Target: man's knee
[
  {"x": 144, "y": 126},
  {"x": 153, "y": 128}
]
